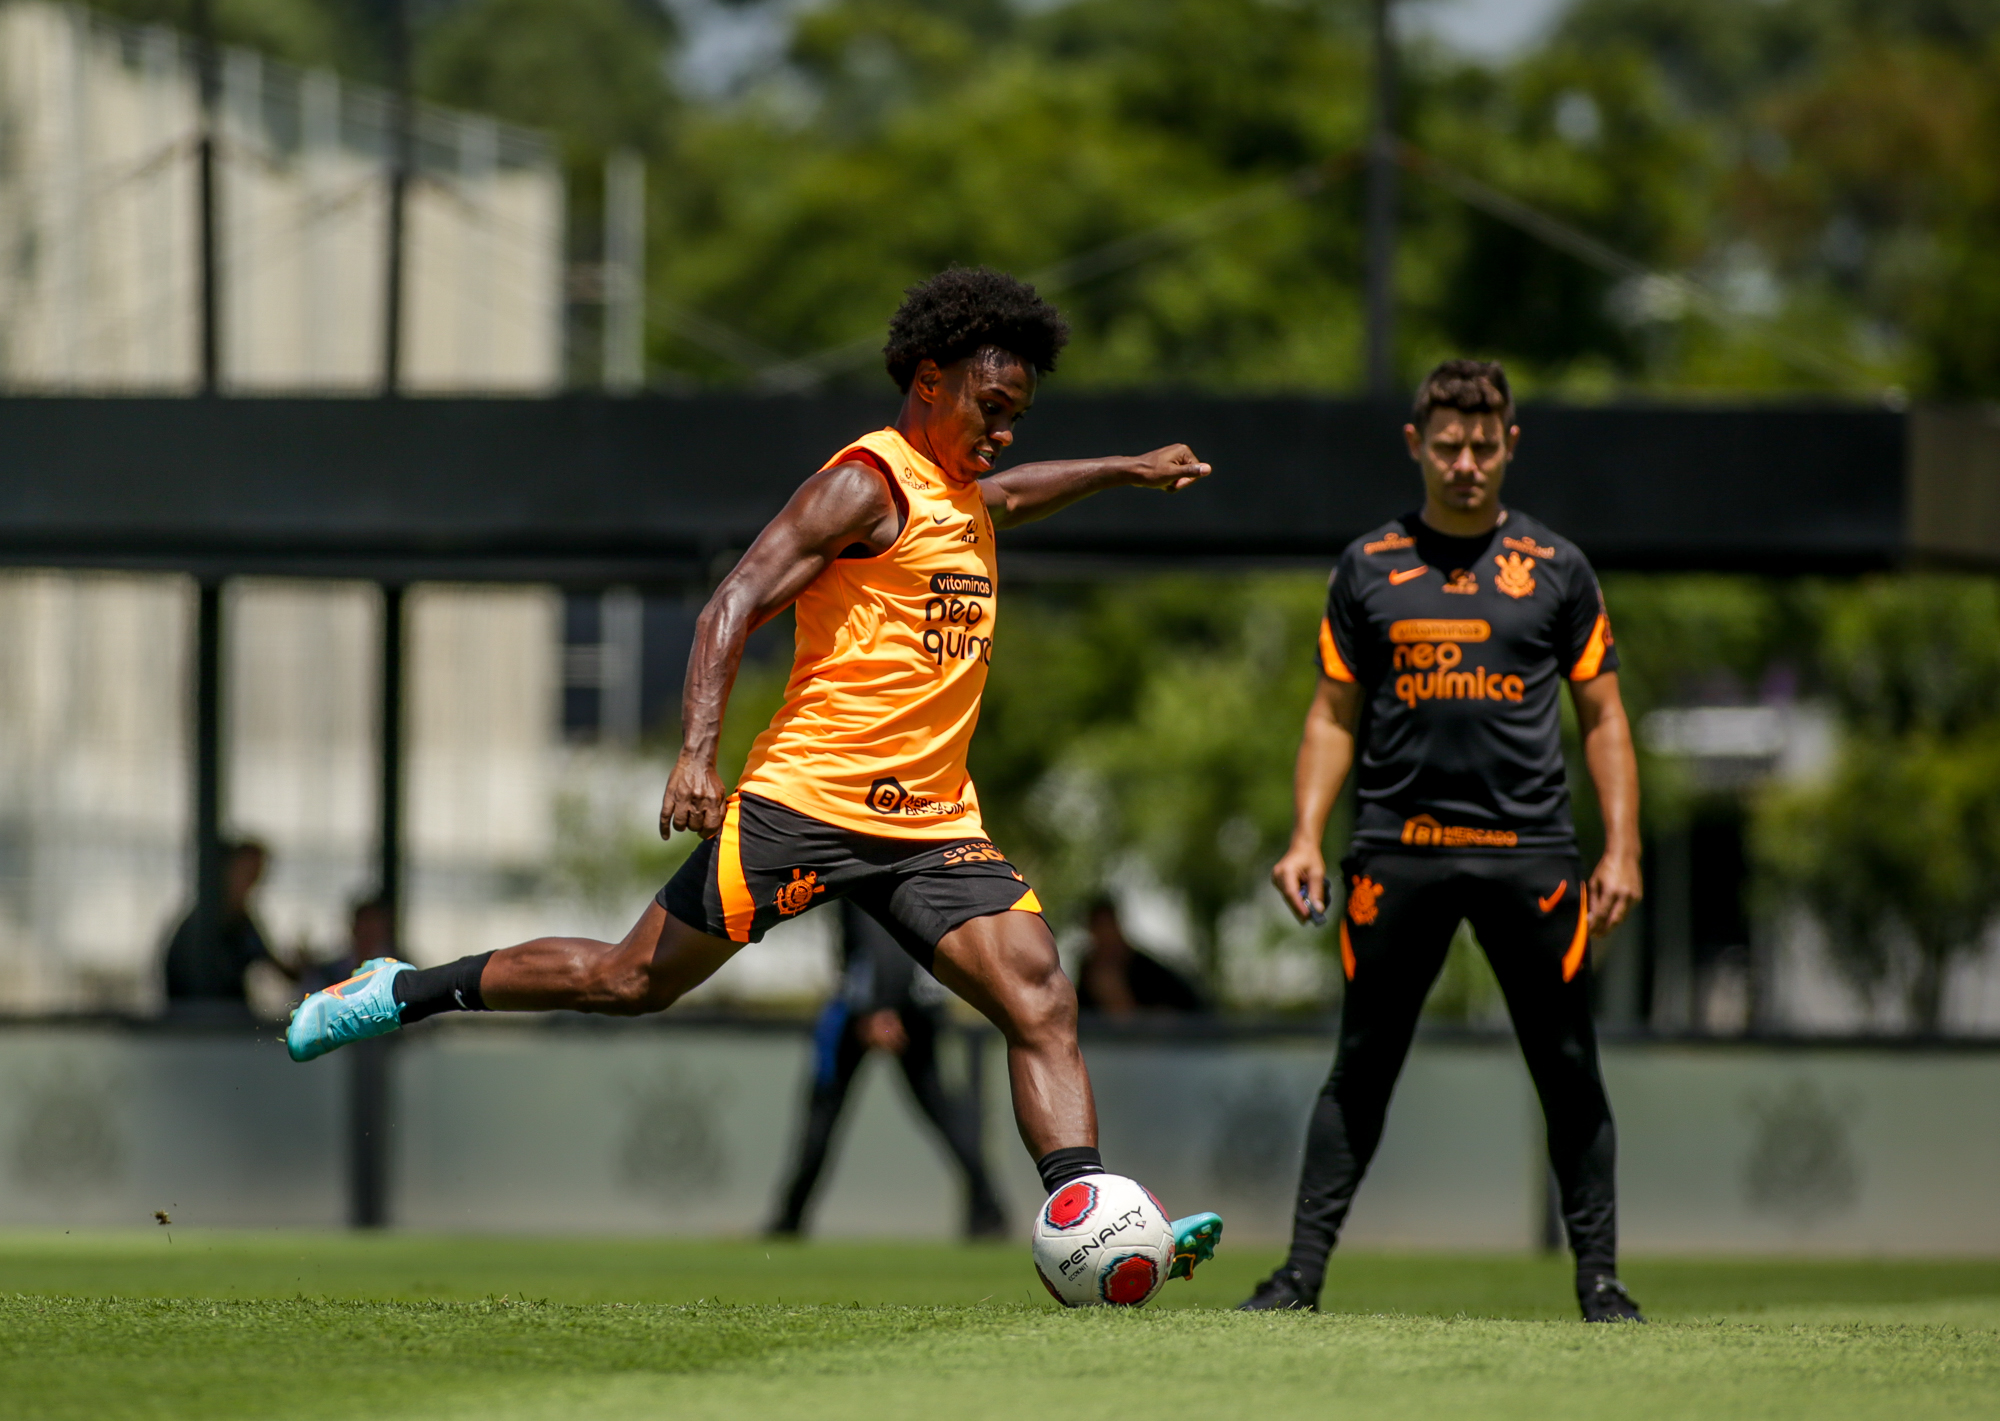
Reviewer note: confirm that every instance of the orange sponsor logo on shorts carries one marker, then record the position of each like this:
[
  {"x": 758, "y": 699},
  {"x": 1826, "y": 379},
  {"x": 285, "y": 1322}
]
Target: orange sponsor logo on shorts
[
  {"x": 1364, "y": 901},
  {"x": 1425, "y": 832},
  {"x": 978, "y": 851},
  {"x": 798, "y": 895},
  {"x": 1548, "y": 904}
]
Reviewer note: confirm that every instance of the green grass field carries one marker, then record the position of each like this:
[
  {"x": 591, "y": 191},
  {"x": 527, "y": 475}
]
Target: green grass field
[{"x": 177, "y": 1324}]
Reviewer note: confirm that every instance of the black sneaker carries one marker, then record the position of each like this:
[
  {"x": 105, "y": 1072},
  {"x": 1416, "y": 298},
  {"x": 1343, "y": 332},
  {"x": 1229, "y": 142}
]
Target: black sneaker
[
  {"x": 1284, "y": 1291},
  {"x": 1604, "y": 1299}
]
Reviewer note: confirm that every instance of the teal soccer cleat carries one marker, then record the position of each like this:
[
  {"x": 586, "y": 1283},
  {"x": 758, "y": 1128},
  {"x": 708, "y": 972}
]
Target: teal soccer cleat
[
  {"x": 362, "y": 1006},
  {"x": 1195, "y": 1238}
]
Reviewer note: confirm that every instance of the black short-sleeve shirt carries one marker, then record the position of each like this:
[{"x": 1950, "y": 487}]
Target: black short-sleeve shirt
[{"x": 1460, "y": 646}]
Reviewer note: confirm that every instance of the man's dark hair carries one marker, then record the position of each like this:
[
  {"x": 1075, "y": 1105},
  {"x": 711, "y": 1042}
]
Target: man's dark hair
[
  {"x": 963, "y": 310},
  {"x": 1470, "y": 386}
]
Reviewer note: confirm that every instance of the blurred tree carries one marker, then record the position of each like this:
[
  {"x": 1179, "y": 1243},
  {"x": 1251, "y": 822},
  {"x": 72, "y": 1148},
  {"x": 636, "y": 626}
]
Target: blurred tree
[
  {"x": 1898, "y": 852},
  {"x": 984, "y": 133},
  {"x": 592, "y": 72},
  {"x": 333, "y": 34},
  {"x": 1591, "y": 136},
  {"x": 1157, "y": 716}
]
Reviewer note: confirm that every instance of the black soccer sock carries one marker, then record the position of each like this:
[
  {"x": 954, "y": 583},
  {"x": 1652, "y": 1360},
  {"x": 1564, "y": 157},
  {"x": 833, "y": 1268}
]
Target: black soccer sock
[
  {"x": 426, "y": 991},
  {"x": 1059, "y": 1167}
]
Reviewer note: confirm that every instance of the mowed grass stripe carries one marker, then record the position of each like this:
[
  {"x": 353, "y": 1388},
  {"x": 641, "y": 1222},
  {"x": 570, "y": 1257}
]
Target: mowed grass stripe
[
  {"x": 176, "y": 1263},
  {"x": 1415, "y": 1337},
  {"x": 313, "y": 1360}
]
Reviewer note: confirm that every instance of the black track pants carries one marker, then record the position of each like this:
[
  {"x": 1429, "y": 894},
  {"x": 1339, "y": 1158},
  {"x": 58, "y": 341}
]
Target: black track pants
[
  {"x": 839, "y": 1056},
  {"x": 1403, "y": 909}
]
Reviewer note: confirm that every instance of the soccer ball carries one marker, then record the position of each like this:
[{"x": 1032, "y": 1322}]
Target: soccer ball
[{"x": 1103, "y": 1239}]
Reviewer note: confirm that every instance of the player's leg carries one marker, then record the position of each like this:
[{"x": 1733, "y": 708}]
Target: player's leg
[
  {"x": 1005, "y": 965},
  {"x": 970, "y": 919},
  {"x": 696, "y": 924},
  {"x": 657, "y": 963},
  {"x": 954, "y": 1122},
  {"x": 837, "y": 1054},
  {"x": 1401, "y": 912},
  {"x": 647, "y": 970},
  {"x": 1532, "y": 920}
]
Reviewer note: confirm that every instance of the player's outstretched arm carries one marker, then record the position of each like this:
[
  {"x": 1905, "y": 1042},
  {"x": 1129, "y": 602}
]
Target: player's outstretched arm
[
  {"x": 1326, "y": 754},
  {"x": 833, "y": 510},
  {"x": 1021, "y": 495},
  {"x": 1607, "y": 750}
]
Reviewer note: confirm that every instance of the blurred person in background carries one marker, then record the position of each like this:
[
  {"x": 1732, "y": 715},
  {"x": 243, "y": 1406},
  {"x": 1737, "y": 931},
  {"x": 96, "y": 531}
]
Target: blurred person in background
[
  {"x": 213, "y": 971},
  {"x": 1116, "y": 979},
  {"x": 885, "y": 1003},
  {"x": 371, "y": 932},
  {"x": 1447, "y": 637}
]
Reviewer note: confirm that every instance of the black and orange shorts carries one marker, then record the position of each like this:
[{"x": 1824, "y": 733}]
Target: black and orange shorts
[{"x": 770, "y": 863}]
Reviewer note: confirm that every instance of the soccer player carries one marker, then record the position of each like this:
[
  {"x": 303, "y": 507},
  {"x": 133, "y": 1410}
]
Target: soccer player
[
  {"x": 858, "y": 789},
  {"x": 1447, "y": 634}
]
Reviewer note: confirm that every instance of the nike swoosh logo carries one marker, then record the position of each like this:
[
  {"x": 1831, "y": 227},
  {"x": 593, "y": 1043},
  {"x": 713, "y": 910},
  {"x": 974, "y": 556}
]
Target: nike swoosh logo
[
  {"x": 1397, "y": 579},
  {"x": 1554, "y": 898},
  {"x": 940, "y": 518}
]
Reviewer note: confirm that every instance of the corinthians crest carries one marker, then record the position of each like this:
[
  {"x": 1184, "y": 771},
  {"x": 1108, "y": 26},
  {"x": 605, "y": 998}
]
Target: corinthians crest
[
  {"x": 797, "y": 896},
  {"x": 1516, "y": 575},
  {"x": 1362, "y": 900}
]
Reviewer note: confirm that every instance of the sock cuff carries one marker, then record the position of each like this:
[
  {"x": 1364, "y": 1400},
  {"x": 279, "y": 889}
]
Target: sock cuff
[
  {"x": 1059, "y": 1167},
  {"x": 424, "y": 992}
]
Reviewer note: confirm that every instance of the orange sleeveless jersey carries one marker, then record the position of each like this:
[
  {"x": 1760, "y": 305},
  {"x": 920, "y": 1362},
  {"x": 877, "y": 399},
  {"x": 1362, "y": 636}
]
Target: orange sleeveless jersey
[{"x": 891, "y": 657}]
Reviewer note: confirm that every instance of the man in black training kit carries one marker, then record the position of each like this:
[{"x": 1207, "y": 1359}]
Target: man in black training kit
[
  {"x": 885, "y": 1003},
  {"x": 1447, "y": 633}
]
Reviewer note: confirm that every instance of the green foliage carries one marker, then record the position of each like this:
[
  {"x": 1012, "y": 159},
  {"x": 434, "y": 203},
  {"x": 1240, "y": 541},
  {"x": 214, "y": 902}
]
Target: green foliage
[
  {"x": 590, "y": 71},
  {"x": 1901, "y": 848},
  {"x": 1157, "y": 717},
  {"x": 309, "y": 33},
  {"x": 1898, "y": 851},
  {"x": 984, "y": 134},
  {"x": 1822, "y": 164},
  {"x": 1915, "y": 655}
]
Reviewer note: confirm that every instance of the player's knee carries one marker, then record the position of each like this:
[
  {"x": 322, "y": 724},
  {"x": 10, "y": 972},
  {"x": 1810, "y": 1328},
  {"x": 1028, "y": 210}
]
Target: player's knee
[
  {"x": 621, "y": 985},
  {"x": 1040, "y": 1002}
]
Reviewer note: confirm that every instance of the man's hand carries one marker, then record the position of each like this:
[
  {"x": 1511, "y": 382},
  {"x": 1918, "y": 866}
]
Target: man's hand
[
  {"x": 1300, "y": 878},
  {"x": 1614, "y": 888},
  {"x": 695, "y": 799},
  {"x": 1172, "y": 469}
]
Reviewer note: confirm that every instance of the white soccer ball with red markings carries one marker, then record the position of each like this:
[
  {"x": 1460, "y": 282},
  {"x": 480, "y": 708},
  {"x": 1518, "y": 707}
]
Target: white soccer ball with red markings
[{"x": 1103, "y": 1239}]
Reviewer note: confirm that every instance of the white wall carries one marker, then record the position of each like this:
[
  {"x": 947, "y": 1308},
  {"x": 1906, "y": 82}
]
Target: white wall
[
  {"x": 97, "y": 211},
  {"x": 678, "y": 1128}
]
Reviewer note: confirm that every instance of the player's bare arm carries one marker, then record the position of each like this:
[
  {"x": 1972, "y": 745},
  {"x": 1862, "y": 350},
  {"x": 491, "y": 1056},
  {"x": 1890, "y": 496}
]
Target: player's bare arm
[
  {"x": 832, "y": 511},
  {"x": 1616, "y": 885},
  {"x": 1326, "y": 754},
  {"x": 962, "y": 418},
  {"x": 1032, "y": 491}
]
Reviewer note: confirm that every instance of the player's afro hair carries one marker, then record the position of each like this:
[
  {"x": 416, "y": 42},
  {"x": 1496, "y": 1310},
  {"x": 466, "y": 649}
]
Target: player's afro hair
[
  {"x": 965, "y": 309},
  {"x": 1471, "y": 386}
]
